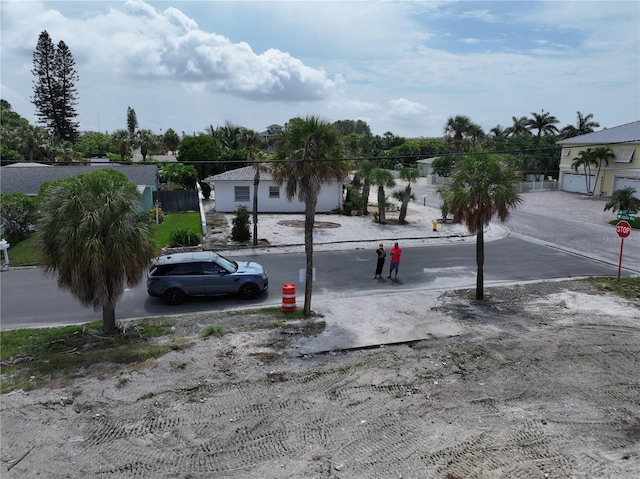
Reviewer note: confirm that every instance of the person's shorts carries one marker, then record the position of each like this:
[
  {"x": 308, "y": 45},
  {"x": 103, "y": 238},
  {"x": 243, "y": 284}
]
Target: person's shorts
[{"x": 394, "y": 266}]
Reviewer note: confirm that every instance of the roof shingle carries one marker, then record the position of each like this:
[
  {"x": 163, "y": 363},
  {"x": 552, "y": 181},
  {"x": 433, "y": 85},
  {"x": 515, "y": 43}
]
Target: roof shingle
[{"x": 28, "y": 180}]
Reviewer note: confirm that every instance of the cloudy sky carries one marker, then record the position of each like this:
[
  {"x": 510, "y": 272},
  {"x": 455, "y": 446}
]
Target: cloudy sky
[{"x": 401, "y": 66}]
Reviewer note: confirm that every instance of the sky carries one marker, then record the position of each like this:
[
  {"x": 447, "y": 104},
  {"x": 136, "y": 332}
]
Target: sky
[{"x": 402, "y": 66}]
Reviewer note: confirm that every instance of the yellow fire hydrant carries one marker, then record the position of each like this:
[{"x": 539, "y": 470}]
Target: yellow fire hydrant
[{"x": 435, "y": 225}]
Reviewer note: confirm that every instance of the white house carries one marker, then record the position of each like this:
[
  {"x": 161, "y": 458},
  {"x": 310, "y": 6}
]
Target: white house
[{"x": 234, "y": 188}]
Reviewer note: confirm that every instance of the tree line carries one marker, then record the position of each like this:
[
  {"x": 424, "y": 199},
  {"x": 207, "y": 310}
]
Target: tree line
[{"x": 56, "y": 138}]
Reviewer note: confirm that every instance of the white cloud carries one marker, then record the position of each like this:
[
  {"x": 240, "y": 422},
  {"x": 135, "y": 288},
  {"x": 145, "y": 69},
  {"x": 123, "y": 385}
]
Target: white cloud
[
  {"x": 481, "y": 14},
  {"x": 403, "y": 108},
  {"x": 186, "y": 65},
  {"x": 168, "y": 44}
]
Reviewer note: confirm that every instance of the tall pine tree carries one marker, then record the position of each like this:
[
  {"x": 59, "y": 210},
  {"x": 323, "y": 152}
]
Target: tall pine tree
[
  {"x": 54, "y": 91},
  {"x": 132, "y": 121}
]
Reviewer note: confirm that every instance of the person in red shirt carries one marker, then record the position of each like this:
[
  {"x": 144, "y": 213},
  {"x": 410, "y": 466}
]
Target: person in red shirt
[{"x": 395, "y": 252}]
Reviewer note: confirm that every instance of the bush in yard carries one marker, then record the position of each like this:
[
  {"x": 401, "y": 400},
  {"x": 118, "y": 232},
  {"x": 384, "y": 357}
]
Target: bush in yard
[
  {"x": 18, "y": 212},
  {"x": 159, "y": 212},
  {"x": 206, "y": 189},
  {"x": 184, "y": 237},
  {"x": 240, "y": 230}
]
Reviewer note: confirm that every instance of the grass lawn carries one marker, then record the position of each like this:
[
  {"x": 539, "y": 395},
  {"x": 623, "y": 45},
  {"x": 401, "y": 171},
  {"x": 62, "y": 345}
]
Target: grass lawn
[
  {"x": 173, "y": 221},
  {"x": 635, "y": 224},
  {"x": 25, "y": 253}
]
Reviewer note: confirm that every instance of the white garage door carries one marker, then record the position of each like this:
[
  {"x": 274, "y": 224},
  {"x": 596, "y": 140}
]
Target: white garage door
[
  {"x": 575, "y": 183},
  {"x": 621, "y": 182}
]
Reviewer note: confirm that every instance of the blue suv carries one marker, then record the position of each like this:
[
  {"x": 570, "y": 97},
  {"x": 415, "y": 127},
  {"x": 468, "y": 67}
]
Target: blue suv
[{"x": 204, "y": 273}]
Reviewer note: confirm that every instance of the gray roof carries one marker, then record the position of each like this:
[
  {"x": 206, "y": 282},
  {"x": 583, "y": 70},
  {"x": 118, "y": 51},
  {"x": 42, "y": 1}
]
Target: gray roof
[
  {"x": 246, "y": 173},
  {"x": 28, "y": 180},
  {"x": 627, "y": 133}
]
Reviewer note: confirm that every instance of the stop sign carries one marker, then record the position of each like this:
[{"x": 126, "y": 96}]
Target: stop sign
[{"x": 623, "y": 229}]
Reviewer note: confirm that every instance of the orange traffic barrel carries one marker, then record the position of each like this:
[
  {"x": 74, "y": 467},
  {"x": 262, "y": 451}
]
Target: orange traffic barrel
[{"x": 288, "y": 297}]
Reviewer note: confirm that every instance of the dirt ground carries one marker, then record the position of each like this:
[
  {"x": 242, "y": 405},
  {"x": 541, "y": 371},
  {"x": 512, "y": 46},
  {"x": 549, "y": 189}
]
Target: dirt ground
[{"x": 544, "y": 382}]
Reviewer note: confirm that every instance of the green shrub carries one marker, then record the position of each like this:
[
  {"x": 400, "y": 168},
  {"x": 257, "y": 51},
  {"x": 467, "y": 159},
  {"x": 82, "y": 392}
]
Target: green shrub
[
  {"x": 213, "y": 330},
  {"x": 206, "y": 190},
  {"x": 354, "y": 196},
  {"x": 240, "y": 230},
  {"x": 18, "y": 213},
  {"x": 184, "y": 237}
]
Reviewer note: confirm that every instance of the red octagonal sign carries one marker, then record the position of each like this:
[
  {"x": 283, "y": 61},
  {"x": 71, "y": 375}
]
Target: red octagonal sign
[{"x": 623, "y": 229}]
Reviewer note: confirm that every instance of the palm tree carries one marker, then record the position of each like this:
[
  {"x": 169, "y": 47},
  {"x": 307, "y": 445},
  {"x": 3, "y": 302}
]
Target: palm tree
[
  {"x": 36, "y": 141},
  {"x": 94, "y": 237},
  {"x": 121, "y": 142},
  {"x": 146, "y": 140},
  {"x": 476, "y": 132},
  {"x": 410, "y": 175},
  {"x": 364, "y": 169},
  {"x": 308, "y": 154},
  {"x": 250, "y": 140},
  {"x": 458, "y": 127},
  {"x": 482, "y": 186},
  {"x": 623, "y": 199},
  {"x": 544, "y": 122},
  {"x": 585, "y": 160},
  {"x": 584, "y": 125},
  {"x": 229, "y": 136},
  {"x": 498, "y": 133},
  {"x": 382, "y": 178},
  {"x": 601, "y": 154},
  {"x": 171, "y": 140},
  {"x": 519, "y": 126}
]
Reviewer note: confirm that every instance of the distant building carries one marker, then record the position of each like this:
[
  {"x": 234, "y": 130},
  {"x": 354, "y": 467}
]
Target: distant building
[
  {"x": 623, "y": 170},
  {"x": 269, "y": 134}
]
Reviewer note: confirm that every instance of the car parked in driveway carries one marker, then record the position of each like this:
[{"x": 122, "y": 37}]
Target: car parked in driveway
[{"x": 204, "y": 273}]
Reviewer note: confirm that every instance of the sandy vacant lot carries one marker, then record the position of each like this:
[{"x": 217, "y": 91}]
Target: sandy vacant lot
[{"x": 544, "y": 382}]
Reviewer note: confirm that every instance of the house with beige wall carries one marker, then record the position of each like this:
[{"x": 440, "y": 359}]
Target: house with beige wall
[{"x": 623, "y": 169}]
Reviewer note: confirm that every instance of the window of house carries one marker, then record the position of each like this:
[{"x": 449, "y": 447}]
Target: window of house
[
  {"x": 274, "y": 192},
  {"x": 566, "y": 151},
  {"x": 624, "y": 155},
  {"x": 241, "y": 193}
]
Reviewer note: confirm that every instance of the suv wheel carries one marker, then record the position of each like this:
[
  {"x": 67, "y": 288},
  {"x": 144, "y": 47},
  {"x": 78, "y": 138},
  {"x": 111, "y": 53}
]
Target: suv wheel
[
  {"x": 249, "y": 291},
  {"x": 173, "y": 296}
]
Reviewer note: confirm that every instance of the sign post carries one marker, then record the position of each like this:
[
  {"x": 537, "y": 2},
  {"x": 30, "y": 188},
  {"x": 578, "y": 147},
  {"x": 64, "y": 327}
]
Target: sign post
[{"x": 623, "y": 229}]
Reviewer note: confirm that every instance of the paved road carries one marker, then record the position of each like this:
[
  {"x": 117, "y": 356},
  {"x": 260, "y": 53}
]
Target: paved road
[
  {"x": 30, "y": 299},
  {"x": 553, "y": 235},
  {"x": 568, "y": 221}
]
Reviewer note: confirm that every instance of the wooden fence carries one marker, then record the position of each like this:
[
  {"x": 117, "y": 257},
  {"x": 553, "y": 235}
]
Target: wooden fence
[{"x": 177, "y": 201}]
